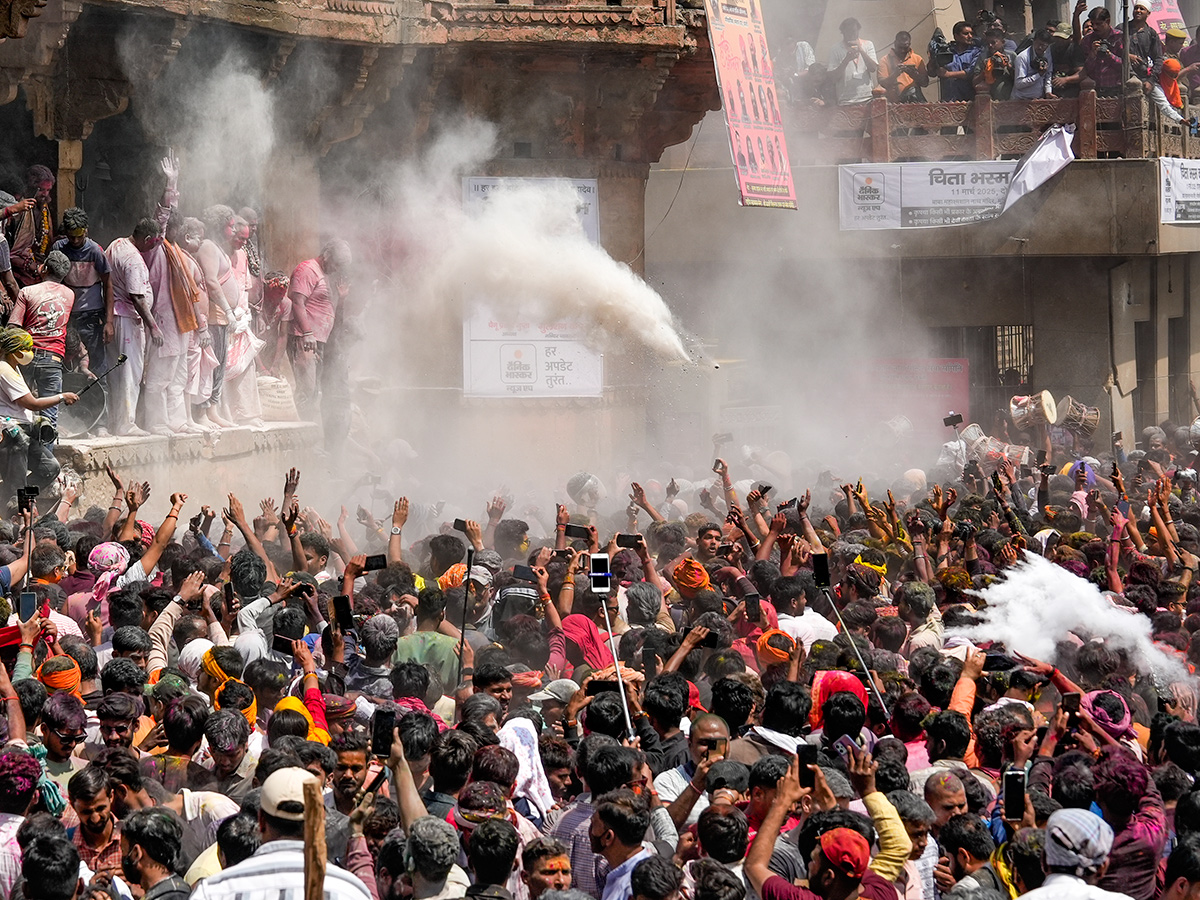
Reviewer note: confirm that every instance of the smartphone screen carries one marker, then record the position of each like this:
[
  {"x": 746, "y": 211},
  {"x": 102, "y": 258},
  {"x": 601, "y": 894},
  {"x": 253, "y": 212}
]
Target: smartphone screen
[
  {"x": 282, "y": 644},
  {"x": 1071, "y": 701},
  {"x": 598, "y": 573},
  {"x": 821, "y": 569},
  {"x": 753, "y": 607},
  {"x": 1014, "y": 794},
  {"x": 628, "y": 541},
  {"x": 383, "y": 723},
  {"x": 806, "y": 754},
  {"x": 460, "y": 525},
  {"x": 229, "y": 604},
  {"x": 649, "y": 662},
  {"x": 343, "y": 613},
  {"x": 525, "y": 573},
  {"x": 28, "y": 605},
  {"x": 375, "y": 563},
  {"x": 599, "y": 687},
  {"x": 577, "y": 532}
]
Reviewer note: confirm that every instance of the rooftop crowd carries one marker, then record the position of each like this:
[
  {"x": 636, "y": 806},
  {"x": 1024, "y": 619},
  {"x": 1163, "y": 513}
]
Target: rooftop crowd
[
  {"x": 718, "y": 691},
  {"x": 1052, "y": 62}
]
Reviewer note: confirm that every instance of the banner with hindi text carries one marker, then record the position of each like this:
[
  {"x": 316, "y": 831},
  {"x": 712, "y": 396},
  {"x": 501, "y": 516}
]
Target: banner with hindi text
[
  {"x": 747, "y": 84},
  {"x": 921, "y": 194}
]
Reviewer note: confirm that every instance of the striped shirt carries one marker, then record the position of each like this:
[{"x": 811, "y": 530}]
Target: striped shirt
[{"x": 276, "y": 872}]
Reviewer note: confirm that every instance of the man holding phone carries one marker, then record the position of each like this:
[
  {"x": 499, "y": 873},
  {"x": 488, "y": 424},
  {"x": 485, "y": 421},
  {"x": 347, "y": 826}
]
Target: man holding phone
[{"x": 683, "y": 788}]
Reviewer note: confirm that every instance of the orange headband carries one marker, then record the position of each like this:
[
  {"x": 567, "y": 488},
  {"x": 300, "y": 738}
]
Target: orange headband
[
  {"x": 768, "y": 655},
  {"x": 250, "y": 712},
  {"x": 210, "y": 665},
  {"x": 63, "y": 680},
  {"x": 691, "y": 577}
]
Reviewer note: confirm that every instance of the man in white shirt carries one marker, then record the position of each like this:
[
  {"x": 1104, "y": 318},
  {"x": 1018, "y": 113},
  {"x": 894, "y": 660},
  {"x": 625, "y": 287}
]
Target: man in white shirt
[
  {"x": 1034, "y": 69},
  {"x": 1078, "y": 843},
  {"x": 852, "y": 65},
  {"x": 682, "y": 789},
  {"x": 277, "y": 867},
  {"x": 790, "y": 594}
]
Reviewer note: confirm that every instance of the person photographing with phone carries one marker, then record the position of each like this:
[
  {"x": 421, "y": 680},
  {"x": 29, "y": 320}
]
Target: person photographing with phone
[{"x": 683, "y": 789}]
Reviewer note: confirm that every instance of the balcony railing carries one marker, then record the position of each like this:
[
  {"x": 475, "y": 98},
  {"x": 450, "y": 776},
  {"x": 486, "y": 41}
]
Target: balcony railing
[{"x": 879, "y": 131}]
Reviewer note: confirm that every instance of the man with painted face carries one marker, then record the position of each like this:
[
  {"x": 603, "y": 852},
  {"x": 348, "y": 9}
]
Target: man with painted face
[
  {"x": 24, "y": 458},
  {"x": 316, "y": 289},
  {"x": 177, "y": 283},
  {"x": 127, "y": 320},
  {"x": 31, "y": 230},
  {"x": 213, "y": 256},
  {"x": 89, "y": 279},
  {"x": 43, "y": 310}
]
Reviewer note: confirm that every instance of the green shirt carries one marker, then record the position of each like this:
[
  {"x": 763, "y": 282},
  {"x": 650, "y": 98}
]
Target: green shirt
[{"x": 432, "y": 647}]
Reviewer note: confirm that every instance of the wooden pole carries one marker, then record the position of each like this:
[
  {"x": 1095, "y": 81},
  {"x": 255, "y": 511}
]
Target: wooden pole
[{"x": 314, "y": 842}]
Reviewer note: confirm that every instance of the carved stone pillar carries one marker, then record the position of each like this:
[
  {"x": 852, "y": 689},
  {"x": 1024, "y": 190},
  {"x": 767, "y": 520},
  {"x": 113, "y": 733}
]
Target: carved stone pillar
[
  {"x": 70, "y": 160},
  {"x": 291, "y": 231}
]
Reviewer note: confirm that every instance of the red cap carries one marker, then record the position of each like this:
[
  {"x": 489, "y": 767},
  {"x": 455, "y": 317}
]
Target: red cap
[
  {"x": 846, "y": 851},
  {"x": 694, "y": 698}
]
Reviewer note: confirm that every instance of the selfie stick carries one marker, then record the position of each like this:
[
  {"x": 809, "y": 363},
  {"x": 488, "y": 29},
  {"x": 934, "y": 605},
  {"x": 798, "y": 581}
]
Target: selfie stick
[
  {"x": 120, "y": 362},
  {"x": 617, "y": 663},
  {"x": 854, "y": 644},
  {"x": 462, "y": 635}
]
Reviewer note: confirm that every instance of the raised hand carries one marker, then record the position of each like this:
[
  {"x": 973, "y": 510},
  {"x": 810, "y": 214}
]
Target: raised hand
[
  {"x": 291, "y": 482},
  {"x": 114, "y": 478},
  {"x": 234, "y": 511},
  {"x": 637, "y": 494},
  {"x": 400, "y": 513},
  {"x": 268, "y": 510},
  {"x": 495, "y": 509}
]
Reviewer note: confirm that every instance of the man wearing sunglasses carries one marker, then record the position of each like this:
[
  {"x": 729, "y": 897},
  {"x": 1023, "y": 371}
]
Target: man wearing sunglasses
[{"x": 63, "y": 721}]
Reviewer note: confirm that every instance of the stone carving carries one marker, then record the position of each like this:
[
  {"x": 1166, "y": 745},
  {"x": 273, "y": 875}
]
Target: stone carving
[{"x": 15, "y": 16}]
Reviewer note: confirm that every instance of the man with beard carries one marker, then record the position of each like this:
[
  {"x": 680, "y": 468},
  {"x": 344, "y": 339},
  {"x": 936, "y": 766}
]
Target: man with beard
[
  {"x": 150, "y": 842},
  {"x": 30, "y": 231},
  {"x": 228, "y": 734},
  {"x": 348, "y": 778},
  {"x": 118, "y": 714},
  {"x": 98, "y": 836}
]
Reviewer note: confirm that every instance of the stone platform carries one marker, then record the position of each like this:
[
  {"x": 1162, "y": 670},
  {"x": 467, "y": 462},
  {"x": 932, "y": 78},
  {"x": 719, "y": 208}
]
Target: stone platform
[{"x": 249, "y": 462}]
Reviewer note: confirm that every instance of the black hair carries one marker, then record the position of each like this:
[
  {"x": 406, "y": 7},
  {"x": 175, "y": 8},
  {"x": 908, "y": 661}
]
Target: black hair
[
  {"x": 409, "y": 679},
  {"x": 724, "y": 833},
  {"x": 183, "y": 723},
  {"x": 248, "y": 574},
  {"x": 766, "y": 772},
  {"x": 733, "y": 701},
  {"x": 238, "y": 838},
  {"x": 949, "y": 735},
  {"x": 626, "y": 814},
  {"x": 716, "y": 882},
  {"x": 88, "y": 783},
  {"x": 966, "y": 831},
  {"x": 489, "y": 674},
  {"x": 52, "y": 864},
  {"x": 122, "y": 674},
  {"x": 450, "y": 761},
  {"x": 157, "y": 832},
  {"x": 786, "y": 708},
  {"x": 493, "y": 851},
  {"x": 609, "y": 768},
  {"x": 606, "y": 714},
  {"x": 666, "y": 699},
  {"x": 655, "y": 878},
  {"x": 843, "y": 714}
]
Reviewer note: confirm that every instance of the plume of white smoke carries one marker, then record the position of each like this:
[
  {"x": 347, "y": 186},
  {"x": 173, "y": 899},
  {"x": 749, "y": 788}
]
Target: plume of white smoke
[
  {"x": 1041, "y": 603},
  {"x": 524, "y": 253}
]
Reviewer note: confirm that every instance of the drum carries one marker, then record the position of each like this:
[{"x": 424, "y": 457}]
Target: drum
[
  {"x": 1077, "y": 418},
  {"x": 991, "y": 452},
  {"x": 1039, "y": 409},
  {"x": 81, "y": 418}
]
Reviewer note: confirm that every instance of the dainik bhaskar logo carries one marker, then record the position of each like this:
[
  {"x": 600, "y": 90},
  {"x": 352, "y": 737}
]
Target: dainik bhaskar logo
[{"x": 868, "y": 188}]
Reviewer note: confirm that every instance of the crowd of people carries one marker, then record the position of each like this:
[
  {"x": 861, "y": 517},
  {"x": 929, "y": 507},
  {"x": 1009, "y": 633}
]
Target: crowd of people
[
  {"x": 1052, "y": 62},
  {"x": 178, "y": 319},
  {"x": 715, "y": 692}
]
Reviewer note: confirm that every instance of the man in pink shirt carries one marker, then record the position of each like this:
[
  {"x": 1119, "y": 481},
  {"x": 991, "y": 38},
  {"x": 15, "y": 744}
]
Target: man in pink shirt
[
  {"x": 43, "y": 310},
  {"x": 317, "y": 287},
  {"x": 129, "y": 318}
]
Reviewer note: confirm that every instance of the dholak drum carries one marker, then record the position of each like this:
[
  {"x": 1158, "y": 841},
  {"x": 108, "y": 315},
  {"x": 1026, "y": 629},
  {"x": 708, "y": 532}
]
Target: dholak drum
[
  {"x": 1039, "y": 409},
  {"x": 1077, "y": 418},
  {"x": 82, "y": 417}
]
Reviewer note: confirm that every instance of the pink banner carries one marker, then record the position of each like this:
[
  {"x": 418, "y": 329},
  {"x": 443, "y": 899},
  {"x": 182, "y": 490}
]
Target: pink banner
[
  {"x": 1165, "y": 14},
  {"x": 747, "y": 86}
]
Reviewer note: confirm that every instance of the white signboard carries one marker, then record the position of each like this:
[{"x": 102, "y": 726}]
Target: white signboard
[
  {"x": 517, "y": 357},
  {"x": 1179, "y": 190},
  {"x": 921, "y": 195}
]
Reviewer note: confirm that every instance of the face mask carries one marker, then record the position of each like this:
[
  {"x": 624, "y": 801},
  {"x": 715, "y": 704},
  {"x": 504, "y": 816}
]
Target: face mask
[{"x": 25, "y": 357}]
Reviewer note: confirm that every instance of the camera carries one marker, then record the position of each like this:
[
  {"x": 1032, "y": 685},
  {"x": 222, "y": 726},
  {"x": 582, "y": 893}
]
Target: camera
[
  {"x": 1103, "y": 47},
  {"x": 987, "y": 17},
  {"x": 964, "y": 531},
  {"x": 940, "y": 52},
  {"x": 1042, "y": 65}
]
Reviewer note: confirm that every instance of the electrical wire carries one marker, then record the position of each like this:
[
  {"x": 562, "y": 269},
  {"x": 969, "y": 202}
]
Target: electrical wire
[{"x": 678, "y": 188}]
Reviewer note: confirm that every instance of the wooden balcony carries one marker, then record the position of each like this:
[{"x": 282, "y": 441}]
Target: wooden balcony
[{"x": 878, "y": 131}]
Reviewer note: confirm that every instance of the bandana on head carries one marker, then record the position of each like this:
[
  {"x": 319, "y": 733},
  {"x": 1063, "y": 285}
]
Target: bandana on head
[
  {"x": 882, "y": 570},
  {"x": 768, "y": 655},
  {"x": 250, "y": 712},
  {"x": 109, "y": 561},
  {"x": 338, "y": 707},
  {"x": 825, "y": 685},
  {"x": 1118, "y": 729},
  {"x": 452, "y": 577},
  {"x": 209, "y": 664},
  {"x": 691, "y": 578},
  {"x": 315, "y": 733},
  {"x": 147, "y": 532},
  {"x": 583, "y": 633},
  {"x": 532, "y": 680},
  {"x": 63, "y": 680},
  {"x": 191, "y": 657}
]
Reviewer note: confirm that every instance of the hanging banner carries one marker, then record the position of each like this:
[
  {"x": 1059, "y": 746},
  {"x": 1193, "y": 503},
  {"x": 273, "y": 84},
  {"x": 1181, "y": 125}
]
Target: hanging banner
[
  {"x": 1179, "y": 190},
  {"x": 1165, "y": 14},
  {"x": 512, "y": 356},
  {"x": 921, "y": 195},
  {"x": 747, "y": 84}
]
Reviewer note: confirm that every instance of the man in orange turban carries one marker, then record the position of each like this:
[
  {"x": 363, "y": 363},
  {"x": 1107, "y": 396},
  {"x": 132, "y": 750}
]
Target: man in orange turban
[{"x": 691, "y": 578}]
